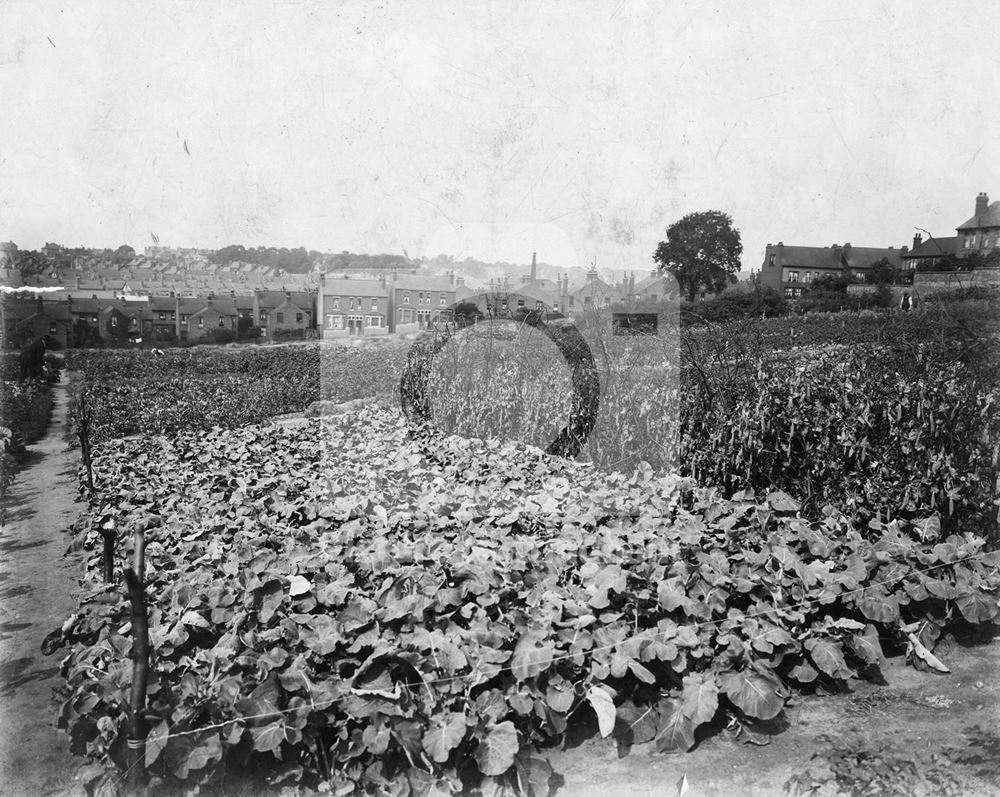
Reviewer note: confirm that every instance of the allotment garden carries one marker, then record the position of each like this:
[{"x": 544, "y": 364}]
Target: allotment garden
[{"x": 348, "y": 602}]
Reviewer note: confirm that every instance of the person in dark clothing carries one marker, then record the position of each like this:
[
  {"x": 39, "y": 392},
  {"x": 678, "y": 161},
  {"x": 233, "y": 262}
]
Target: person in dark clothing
[{"x": 33, "y": 359}]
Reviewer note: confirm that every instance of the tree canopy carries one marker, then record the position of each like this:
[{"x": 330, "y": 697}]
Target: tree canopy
[{"x": 702, "y": 251}]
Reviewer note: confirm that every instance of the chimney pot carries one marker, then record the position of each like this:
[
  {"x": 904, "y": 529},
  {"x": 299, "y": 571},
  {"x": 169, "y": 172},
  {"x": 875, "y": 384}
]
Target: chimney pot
[{"x": 917, "y": 240}]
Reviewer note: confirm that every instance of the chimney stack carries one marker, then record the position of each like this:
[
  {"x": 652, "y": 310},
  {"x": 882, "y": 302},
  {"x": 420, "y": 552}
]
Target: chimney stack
[
  {"x": 982, "y": 202},
  {"x": 917, "y": 239}
]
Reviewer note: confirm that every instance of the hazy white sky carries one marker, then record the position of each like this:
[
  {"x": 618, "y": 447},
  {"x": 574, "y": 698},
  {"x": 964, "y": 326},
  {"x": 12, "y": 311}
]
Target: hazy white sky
[{"x": 577, "y": 130}]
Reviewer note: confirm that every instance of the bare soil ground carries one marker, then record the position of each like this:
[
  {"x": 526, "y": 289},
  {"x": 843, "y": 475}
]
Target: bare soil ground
[{"x": 37, "y": 583}]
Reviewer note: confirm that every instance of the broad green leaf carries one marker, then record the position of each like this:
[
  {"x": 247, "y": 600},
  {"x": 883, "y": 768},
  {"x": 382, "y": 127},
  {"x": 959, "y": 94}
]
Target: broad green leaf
[
  {"x": 753, "y": 694},
  {"x": 700, "y": 698},
  {"x": 977, "y": 606},
  {"x": 559, "y": 694},
  {"x": 533, "y": 775},
  {"x": 676, "y": 732},
  {"x": 192, "y": 752},
  {"x": 156, "y": 740},
  {"x": 636, "y": 724},
  {"x": 867, "y": 646},
  {"x": 496, "y": 751},
  {"x": 828, "y": 656},
  {"x": 531, "y": 656},
  {"x": 876, "y": 605},
  {"x": 268, "y": 738},
  {"x": 604, "y": 707},
  {"x": 445, "y": 734}
]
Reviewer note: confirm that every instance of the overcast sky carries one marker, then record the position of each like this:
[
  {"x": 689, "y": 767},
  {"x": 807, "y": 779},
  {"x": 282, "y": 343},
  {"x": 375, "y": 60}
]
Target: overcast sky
[{"x": 577, "y": 130}]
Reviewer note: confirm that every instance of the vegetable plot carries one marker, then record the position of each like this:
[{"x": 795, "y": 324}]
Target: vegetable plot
[{"x": 336, "y": 603}]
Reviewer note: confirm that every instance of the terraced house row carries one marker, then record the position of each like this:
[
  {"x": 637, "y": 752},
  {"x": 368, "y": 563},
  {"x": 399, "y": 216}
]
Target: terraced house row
[{"x": 74, "y": 320}]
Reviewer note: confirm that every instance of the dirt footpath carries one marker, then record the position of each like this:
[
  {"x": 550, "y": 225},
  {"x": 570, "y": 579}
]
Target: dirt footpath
[{"x": 37, "y": 583}]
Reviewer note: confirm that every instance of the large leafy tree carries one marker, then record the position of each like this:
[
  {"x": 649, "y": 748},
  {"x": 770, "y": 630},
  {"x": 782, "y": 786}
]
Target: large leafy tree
[
  {"x": 702, "y": 251},
  {"x": 31, "y": 263}
]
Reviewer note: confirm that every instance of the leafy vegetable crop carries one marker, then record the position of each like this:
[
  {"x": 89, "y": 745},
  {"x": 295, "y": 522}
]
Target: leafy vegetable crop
[{"x": 339, "y": 602}]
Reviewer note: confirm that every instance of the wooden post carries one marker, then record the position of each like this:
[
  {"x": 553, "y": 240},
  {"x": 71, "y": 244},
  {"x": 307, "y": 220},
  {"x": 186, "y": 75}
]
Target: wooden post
[
  {"x": 136, "y": 750},
  {"x": 109, "y": 554},
  {"x": 83, "y": 432}
]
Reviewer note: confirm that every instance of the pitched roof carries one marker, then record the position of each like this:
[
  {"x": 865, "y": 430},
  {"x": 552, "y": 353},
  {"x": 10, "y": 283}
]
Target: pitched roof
[
  {"x": 351, "y": 287},
  {"x": 51, "y": 310},
  {"x": 596, "y": 286},
  {"x": 159, "y": 303},
  {"x": 830, "y": 257},
  {"x": 934, "y": 247},
  {"x": 988, "y": 218},
  {"x": 423, "y": 282},
  {"x": 651, "y": 281},
  {"x": 88, "y": 306},
  {"x": 864, "y": 256},
  {"x": 806, "y": 256},
  {"x": 269, "y": 300}
]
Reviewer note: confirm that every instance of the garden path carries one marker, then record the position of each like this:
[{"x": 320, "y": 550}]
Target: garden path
[{"x": 37, "y": 582}]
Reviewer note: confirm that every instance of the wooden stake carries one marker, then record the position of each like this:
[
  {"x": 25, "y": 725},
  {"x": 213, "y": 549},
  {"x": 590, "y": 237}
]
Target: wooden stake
[
  {"x": 136, "y": 751},
  {"x": 109, "y": 554}
]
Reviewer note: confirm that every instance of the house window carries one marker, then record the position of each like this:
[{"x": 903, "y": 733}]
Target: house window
[
  {"x": 970, "y": 241},
  {"x": 163, "y": 316},
  {"x": 201, "y": 322},
  {"x": 336, "y": 302},
  {"x": 52, "y": 328},
  {"x": 114, "y": 321},
  {"x": 539, "y": 306},
  {"x": 444, "y": 300},
  {"x": 133, "y": 322},
  {"x": 770, "y": 260},
  {"x": 222, "y": 321},
  {"x": 184, "y": 318},
  {"x": 793, "y": 276},
  {"x": 281, "y": 318},
  {"x": 520, "y": 303},
  {"x": 298, "y": 318},
  {"x": 374, "y": 304},
  {"x": 334, "y": 322},
  {"x": 350, "y": 303},
  {"x": 789, "y": 293},
  {"x": 374, "y": 320},
  {"x": 406, "y": 297},
  {"x": 263, "y": 316}
]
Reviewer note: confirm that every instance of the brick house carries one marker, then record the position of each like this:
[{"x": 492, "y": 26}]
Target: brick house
[
  {"x": 164, "y": 320},
  {"x": 214, "y": 320},
  {"x": 29, "y": 319},
  {"x": 981, "y": 233},
  {"x": 284, "y": 314},
  {"x": 353, "y": 307},
  {"x": 417, "y": 301},
  {"x": 790, "y": 269}
]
